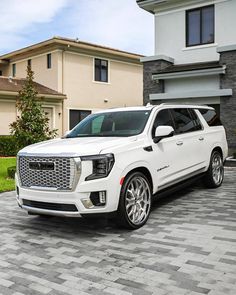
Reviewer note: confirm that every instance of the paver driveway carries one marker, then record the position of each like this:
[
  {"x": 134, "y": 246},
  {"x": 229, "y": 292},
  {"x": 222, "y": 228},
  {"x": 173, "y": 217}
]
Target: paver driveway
[{"x": 187, "y": 247}]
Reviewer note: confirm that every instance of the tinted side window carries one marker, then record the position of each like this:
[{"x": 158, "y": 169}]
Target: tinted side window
[
  {"x": 198, "y": 125},
  {"x": 183, "y": 121},
  {"x": 163, "y": 118},
  {"x": 211, "y": 117}
]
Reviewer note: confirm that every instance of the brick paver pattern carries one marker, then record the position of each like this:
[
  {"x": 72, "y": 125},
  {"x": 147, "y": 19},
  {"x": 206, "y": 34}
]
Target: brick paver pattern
[{"x": 188, "y": 246}]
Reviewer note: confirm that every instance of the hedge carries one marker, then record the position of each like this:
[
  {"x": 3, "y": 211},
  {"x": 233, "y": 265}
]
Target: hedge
[
  {"x": 7, "y": 146},
  {"x": 11, "y": 172}
]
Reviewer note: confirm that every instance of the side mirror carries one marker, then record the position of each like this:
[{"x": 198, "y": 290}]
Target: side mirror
[{"x": 163, "y": 132}]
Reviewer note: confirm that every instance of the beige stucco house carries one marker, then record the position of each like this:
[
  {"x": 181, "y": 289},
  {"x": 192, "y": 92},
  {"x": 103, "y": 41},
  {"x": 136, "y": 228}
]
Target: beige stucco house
[{"x": 92, "y": 78}]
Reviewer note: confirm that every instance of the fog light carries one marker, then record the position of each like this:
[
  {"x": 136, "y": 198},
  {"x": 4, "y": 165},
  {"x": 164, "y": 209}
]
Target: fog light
[
  {"x": 87, "y": 203},
  {"x": 102, "y": 197},
  {"x": 98, "y": 198}
]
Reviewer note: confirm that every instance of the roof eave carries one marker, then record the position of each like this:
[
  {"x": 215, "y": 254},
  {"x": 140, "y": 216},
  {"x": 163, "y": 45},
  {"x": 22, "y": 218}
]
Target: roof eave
[
  {"x": 40, "y": 95},
  {"x": 191, "y": 94},
  {"x": 190, "y": 73},
  {"x": 70, "y": 45},
  {"x": 150, "y": 5}
]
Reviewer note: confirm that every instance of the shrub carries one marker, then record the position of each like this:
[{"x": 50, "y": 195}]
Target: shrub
[
  {"x": 11, "y": 172},
  {"x": 32, "y": 124},
  {"x": 7, "y": 145}
]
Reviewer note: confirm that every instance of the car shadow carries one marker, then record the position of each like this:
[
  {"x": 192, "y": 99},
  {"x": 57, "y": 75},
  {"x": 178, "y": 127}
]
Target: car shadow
[{"x": 92, "y": 227}]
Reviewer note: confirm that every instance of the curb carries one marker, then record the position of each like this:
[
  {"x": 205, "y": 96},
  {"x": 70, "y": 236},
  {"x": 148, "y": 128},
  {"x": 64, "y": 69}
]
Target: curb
[{"x": 230, "y": 162}]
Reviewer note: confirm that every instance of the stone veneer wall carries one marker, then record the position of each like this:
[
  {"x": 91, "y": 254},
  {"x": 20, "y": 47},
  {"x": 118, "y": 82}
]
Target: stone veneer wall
[
  {"x": 228, "y": 104},
  {"x": 150, "y": 86}
]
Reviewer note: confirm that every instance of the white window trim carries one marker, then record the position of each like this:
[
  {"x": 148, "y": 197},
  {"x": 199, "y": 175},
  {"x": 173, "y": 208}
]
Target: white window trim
[{"x": 200, "y": 46}]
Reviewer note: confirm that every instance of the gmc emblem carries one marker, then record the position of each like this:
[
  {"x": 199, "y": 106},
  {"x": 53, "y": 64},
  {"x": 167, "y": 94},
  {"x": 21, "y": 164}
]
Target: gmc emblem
[{"x": 41, "y": 165}]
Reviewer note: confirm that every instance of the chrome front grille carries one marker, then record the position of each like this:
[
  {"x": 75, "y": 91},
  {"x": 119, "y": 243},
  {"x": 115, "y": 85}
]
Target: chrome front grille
[{"x": 59, "y": 173}]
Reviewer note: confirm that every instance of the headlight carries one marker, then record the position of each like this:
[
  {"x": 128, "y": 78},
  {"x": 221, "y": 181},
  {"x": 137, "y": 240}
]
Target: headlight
[{"x": 102, "y": 165}]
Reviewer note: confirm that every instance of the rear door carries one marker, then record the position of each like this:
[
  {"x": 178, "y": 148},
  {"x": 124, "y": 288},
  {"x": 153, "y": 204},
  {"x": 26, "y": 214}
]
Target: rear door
[{"x": 190, "y": 142}]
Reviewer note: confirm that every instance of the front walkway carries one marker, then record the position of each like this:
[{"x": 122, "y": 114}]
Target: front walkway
[{"x": 187, "y": 247}]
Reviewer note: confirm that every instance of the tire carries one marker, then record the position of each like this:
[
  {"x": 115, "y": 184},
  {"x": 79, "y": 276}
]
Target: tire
[
  {"x": 135, "y": 201},
  {"x": 215, "y": 173}
]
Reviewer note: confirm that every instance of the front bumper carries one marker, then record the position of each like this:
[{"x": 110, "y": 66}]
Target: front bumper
[{"x": 57, "y": 202}]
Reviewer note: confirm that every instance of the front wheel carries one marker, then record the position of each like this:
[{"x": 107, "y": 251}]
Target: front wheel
[
  {"x": 215, "y": 173},
  {"x": 135, "y": 201}
]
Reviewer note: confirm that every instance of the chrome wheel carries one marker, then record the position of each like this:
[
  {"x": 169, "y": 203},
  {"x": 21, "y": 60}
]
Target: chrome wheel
[
  {"x": 217, "y": 168},
  {"x": 214, "y": 176},
  {"x": 137, "y": 200}
]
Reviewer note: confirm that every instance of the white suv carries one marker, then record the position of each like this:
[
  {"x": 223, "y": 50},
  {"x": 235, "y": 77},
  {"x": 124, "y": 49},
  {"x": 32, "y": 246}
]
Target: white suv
[{"x": 117, "y": 160}]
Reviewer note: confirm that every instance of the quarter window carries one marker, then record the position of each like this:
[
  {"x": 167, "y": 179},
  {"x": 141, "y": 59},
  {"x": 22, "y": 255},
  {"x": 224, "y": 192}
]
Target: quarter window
[
  {"x": 200, "y": 26},
  {"x": 101, "y": 70},
  {"x": 76, "y": 116},
  {"x": 198, "y": 125},
  {"x": 183, "y": 121},
  {"x": 211, "y": 117}
]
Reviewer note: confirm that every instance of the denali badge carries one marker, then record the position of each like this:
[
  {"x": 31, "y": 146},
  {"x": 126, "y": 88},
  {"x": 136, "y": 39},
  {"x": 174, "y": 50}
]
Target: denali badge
[{"x": 41, "y": 165}]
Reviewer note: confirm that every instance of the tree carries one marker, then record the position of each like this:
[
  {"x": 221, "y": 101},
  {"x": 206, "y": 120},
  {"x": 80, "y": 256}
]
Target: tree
[{"x": 32, "y": 124}]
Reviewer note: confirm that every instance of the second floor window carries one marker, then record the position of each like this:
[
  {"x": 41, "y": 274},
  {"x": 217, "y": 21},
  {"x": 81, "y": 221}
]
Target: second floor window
[
  {"x": 200, "y": 26},
  {"x": 13, "y": 70},
  {"x": 29, "y": 62},
  {"x": 101, "y": 70},
  {"x": 49, "y": 60}
]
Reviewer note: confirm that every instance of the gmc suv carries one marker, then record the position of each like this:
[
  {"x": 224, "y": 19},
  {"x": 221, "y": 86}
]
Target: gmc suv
[{"x": 117, "y": 160}]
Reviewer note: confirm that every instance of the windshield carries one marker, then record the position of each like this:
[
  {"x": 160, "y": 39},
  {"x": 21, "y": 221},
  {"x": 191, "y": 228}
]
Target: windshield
[{"x": 126, "y": 123}]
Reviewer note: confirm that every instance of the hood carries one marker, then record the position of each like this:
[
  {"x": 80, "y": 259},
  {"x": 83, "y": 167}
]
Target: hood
[{"x": 75, "y": 147}]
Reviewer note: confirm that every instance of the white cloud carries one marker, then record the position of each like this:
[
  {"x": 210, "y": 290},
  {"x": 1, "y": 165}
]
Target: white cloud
[
  {"x": 116, "y": 23},
  {"x": 17, "y": 17}
]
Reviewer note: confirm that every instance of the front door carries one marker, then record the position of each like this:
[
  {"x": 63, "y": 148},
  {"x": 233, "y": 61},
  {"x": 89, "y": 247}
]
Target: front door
[
  {"x": 49, "y": 114},
  {"x": 165, "y": 152}
]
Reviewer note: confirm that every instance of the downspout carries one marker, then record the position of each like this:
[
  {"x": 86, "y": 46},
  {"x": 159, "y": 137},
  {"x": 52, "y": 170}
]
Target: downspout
[{"x": 62, "y": 89}]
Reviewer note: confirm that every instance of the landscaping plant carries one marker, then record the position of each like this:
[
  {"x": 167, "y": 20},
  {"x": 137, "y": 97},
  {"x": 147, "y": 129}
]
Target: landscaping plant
[{"x": 32, "y": 124}]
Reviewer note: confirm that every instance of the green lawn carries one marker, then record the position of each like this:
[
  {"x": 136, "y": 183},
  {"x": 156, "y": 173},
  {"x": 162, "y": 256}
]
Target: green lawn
[{"x": 5, "y": 183}]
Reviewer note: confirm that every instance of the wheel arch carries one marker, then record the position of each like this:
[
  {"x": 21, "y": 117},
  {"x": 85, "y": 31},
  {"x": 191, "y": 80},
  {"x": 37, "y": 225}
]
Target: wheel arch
[
  {"x": 214, "y": 148},
  {"x": 218, "y": 149},
  {"x": 143, "y": 170}
]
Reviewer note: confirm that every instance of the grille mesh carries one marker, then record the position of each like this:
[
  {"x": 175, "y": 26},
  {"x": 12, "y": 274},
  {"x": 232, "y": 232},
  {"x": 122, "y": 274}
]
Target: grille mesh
[{"x": 61, "y": 178}]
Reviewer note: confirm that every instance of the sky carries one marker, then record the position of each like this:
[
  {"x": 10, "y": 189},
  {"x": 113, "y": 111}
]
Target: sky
[{"x": 119, "y": 24}]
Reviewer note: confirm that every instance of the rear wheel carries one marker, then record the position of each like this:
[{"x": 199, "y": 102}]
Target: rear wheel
[
  {"x": 215, "y": 173},
  {"x": 135, "y": 201}
]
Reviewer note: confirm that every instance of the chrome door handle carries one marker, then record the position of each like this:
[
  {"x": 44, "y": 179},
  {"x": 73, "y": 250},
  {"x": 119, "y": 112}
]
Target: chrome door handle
[
  {"x": 201, "y": 138},
  {"x": 179, "y": 142}
]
